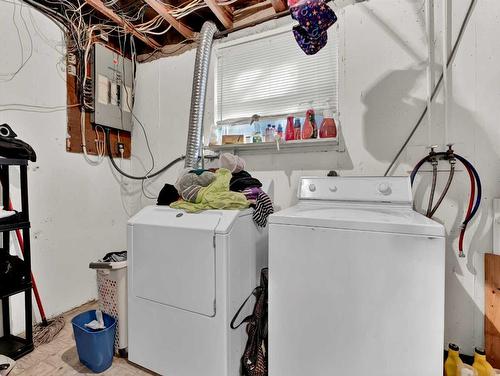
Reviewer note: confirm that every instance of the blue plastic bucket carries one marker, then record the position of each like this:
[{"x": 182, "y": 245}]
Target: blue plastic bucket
[{"x": 95, "y": 347}]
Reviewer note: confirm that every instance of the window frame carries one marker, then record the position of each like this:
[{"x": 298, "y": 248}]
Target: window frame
[{"x": 268, "y": 30}]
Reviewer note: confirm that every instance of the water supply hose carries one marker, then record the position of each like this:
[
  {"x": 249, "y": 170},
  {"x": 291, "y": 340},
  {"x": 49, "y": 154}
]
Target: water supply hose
[
  {"x": 198, "y": 95},
  {"x": 469, "y": 211},
  {"x": 434, "y": 163},
  {"x": 474, "y": 181},
  {"x": 452, "y": 161},
  {"x": 468, "y": 165}
]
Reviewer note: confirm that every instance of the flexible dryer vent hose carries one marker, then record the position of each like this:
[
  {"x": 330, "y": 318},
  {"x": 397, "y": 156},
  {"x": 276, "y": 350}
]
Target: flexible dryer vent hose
[{"x": 200, "y": 78}]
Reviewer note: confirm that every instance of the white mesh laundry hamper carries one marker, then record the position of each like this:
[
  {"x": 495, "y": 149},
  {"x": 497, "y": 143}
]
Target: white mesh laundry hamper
[{"x": 112, "y": 289}]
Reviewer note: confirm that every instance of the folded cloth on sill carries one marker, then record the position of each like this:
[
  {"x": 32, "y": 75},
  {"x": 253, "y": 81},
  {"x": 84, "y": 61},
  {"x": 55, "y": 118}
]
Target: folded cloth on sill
[
  {"x": 215, "y": 196},
  {"x": 243, "y": 180},
  {"x": 263, "y": 209}
]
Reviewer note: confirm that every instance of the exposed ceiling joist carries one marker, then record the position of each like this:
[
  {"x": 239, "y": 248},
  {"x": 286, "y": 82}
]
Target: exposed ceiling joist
[
  {"x": 161, "y": 27},
  {"x": 163, "y": 11},
  {"x": 224, "y": 16},
  {"x": 279, "y": 5},
  {"x": 99, "y": 6}
]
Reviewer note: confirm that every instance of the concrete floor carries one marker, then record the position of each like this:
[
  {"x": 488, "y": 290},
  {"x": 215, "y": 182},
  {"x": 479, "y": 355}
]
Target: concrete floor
[{"x": 59, "y": 357}]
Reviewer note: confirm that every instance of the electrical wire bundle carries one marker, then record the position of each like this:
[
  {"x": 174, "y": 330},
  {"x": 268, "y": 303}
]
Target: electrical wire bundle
[
  {"x": 187, "y": 8},
  {"x": 475, "y": 187},
  {"x": 82, "y": 27}
]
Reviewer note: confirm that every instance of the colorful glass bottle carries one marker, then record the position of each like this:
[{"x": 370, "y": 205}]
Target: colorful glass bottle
[
  {"x": 289, "y": 131},
  {"x": 310, "y": 129},
  {"x": 328, "y": 127}
]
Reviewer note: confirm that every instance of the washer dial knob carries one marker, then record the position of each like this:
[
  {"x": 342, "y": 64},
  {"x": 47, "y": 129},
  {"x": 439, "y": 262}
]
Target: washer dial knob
[{"x": 384, "y": 189}]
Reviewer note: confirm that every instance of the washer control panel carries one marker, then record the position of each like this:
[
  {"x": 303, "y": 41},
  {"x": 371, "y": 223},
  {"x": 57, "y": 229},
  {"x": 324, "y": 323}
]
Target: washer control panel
[{"x": 356, "y": 188}]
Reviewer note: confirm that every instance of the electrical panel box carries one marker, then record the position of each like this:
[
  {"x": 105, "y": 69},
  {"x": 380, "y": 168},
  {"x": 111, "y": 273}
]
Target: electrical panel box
[{"x": 112, "y": 79}]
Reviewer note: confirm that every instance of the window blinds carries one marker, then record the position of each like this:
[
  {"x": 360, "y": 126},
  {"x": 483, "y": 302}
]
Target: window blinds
[{"x": 272, "y": 76}]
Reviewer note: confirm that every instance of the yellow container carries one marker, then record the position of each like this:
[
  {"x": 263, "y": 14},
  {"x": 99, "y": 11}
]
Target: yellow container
[
  {"x": 481, "y": 365},
  {"x": 453, "y": 363}
]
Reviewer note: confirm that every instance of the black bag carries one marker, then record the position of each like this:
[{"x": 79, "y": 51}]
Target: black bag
[
  {"x": 254, "y": 359},
  {"x": 13, "y": 272},
  {"x": 12, "y": 147}
]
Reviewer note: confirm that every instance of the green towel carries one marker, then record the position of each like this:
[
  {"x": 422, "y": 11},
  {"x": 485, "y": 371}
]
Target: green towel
[{"x": 215, "y": 196}]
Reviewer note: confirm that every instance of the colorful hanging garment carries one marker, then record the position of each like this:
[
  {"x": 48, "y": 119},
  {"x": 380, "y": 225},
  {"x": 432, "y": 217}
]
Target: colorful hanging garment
[{"x": 314, "y": 18}]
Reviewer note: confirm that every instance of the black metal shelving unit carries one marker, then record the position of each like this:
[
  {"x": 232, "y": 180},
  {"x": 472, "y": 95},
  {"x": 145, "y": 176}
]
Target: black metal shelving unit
[{"x": 11, "y": 345}]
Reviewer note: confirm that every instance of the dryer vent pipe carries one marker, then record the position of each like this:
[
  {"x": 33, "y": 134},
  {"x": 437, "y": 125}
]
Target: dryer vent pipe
[{"x": 200, "y": 78}]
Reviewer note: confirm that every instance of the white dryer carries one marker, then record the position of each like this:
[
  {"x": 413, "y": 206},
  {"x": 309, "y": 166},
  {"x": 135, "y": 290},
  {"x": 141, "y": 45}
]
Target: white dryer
[
  {"x": 188, "y": 275},
  {"x": 356, "y": 281}
]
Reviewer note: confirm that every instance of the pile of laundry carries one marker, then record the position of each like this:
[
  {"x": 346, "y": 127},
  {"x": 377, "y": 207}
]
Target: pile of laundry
[{"x": 229, "y": 187}]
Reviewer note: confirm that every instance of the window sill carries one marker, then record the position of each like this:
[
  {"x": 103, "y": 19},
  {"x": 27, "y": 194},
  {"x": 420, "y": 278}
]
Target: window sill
[{"x": 300, "y": 146}]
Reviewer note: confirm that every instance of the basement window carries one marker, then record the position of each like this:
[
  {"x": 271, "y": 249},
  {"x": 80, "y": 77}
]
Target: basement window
[{"x": 266, "y": 78}]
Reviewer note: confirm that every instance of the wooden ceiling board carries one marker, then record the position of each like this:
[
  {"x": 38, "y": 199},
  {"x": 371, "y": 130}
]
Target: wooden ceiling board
[{"x": 227, "y": 15}]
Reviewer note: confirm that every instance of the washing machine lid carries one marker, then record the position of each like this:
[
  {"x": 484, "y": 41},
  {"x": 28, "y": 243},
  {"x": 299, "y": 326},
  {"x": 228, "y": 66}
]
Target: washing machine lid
[
  {"x": 400, "y": 220},
  {"x": 381, "y": 204}
]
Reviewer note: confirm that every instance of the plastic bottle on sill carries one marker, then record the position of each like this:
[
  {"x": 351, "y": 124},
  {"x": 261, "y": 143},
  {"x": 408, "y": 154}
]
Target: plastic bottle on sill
[
  {"x": 453, "y": 364},
  {"x": 297, "y": 129},
  {"x": 216, "y": 135},
  {"x": 290, "y": 130},
  {"x": 248, "y": 138},
  {"x": 481, "y": 365},
  {"x": 328, "y": 127},
  {"x": 279, "y": 132},
  {"x": 268, "y": 135}
]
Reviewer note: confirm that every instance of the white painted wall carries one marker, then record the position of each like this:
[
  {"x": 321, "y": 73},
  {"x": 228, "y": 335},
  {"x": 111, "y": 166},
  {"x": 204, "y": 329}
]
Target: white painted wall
[
  {"x": 384, "y": 90},
  {"x": 77, "y": 213}
]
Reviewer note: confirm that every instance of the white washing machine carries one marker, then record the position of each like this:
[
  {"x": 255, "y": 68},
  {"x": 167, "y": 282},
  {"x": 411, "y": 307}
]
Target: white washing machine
[
  {"x": 188, "y": 275},
  {"x": 356, "y": 281}
]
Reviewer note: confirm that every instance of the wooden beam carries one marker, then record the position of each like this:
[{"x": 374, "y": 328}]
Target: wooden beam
[
  {"x": 163, "y": 10},
  {"x": 492, "y": 308},
  {"x": 254, "y": 13},
  {"x": 221, "y": 13},
  {"x": 127, "y": 26},
  {"x": 279, "y": 5}
]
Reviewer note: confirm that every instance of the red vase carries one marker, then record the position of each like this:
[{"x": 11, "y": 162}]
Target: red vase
[
  {"x": 309, "y": 130},
  {"x": 328, "y": 127}
]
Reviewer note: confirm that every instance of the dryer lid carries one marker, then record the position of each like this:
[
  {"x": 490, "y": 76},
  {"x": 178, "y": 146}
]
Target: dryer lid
[{"x": 167, "y": 217}]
